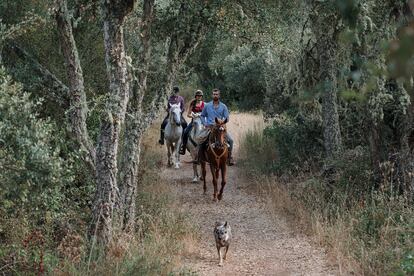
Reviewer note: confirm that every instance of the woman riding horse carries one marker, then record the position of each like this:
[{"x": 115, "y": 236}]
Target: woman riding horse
[{"x": 196, "y": 106}]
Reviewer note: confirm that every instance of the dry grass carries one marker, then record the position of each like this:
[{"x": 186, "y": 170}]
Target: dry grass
[
  {"x": 164, "y": 233},
  {"x": 372, "y": 237}
]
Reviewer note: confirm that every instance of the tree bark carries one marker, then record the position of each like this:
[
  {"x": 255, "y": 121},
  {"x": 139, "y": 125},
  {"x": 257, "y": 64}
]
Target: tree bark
[
  {"x": 140, "y": 118},
  {"x": 323, "y": 25},
  {"x": 133, "y": 126},
  {"x": 78, "y": 108},
  {"x": 106, "y": 196}
]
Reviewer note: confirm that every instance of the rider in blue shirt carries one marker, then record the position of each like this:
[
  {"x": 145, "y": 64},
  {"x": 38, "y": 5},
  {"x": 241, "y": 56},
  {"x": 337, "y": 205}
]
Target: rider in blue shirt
[{"x": 217, "y": 109}]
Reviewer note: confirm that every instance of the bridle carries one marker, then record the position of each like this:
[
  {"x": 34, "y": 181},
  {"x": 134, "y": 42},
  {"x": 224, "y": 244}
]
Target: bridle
[
  {"x": 172, "y": 116},
  {"x": 215, "y": 143}
]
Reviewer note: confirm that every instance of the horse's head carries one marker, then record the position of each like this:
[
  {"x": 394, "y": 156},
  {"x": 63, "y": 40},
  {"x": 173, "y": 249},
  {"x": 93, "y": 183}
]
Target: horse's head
[
  {"x": 197, "y": 124},
  {"x": 218, "y": 133},
  {"x": 175, "y": 114}
]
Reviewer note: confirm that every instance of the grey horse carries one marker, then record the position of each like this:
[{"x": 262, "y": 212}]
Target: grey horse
[
  {"x": 173, "y": 131},
  {"x": 196, "y": 136}
]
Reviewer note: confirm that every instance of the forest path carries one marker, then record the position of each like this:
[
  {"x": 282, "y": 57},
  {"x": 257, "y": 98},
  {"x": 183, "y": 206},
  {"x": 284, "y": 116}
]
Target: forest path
[{"x": 263, "y": 244}]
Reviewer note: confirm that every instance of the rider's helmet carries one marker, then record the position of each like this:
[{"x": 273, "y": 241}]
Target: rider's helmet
[{"x": 198, "y": 93}]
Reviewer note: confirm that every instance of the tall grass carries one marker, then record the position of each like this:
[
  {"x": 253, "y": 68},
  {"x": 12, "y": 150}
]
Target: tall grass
[
  {"x": 369, "y": 231},
  {"x": 163, "y": 234}
]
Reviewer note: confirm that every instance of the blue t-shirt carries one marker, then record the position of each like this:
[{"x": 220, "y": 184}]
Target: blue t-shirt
[{"x": 210, "y": 112}]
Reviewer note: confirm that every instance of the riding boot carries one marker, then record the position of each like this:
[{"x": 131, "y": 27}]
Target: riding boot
[
  {"x": 230, "y": 160},
  {"x": 161, "y": 141}
]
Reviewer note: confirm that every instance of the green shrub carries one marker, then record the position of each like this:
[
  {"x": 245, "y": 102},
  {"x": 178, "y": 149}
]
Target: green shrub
[
  {"x": 297, "y": 140},
  {"x": 33, "y": 174}
]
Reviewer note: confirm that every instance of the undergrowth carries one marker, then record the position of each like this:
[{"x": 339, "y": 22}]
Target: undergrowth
[
  {"x": 162, "y": 234},
  {"x": 369, "y": 230}
]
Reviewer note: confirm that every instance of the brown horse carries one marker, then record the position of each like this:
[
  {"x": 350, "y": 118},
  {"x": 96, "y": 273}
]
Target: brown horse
[{"x": 216, "y": 154}]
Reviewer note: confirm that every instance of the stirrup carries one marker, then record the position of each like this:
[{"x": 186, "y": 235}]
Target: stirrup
[
  {"x": 182, "y": 150},
  {"x": 161, "y": 142}
]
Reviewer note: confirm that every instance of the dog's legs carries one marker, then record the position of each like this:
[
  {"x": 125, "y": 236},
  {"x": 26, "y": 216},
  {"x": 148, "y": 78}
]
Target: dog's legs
[
  {"x": 225, "y": 253},
  {"x": 220, "y": 257}
]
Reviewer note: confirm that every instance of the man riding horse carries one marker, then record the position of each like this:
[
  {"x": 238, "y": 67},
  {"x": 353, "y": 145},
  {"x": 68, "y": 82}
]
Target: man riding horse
[
  {"x": 196, "y": 107},
  {"x": 217, "y": 109},
  {"x": 175, "y": 98}
]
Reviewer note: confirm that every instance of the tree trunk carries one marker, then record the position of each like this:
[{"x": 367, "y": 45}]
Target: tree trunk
[
  {"x": 78, "y": 108},
  {"x": 323, "y": 25},
  {"x": 106, "y": 196},
  {"x": 134, "y": 126},
  {"x": 140, "y": 119}
]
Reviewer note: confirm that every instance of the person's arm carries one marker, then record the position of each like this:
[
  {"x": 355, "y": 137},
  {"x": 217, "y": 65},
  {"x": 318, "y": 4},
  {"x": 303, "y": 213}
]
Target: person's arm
[
  {"x": 182, "y": 104},
  {"x": 167, "y": 108},
  {"x": 203, "y": 115},
  {"x": 225, "y": 113},
  {"x": 190, "y": 109}
]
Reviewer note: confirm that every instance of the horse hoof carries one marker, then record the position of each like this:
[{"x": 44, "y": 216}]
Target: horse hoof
[
  {"x": 215, "y": 199},
  {"x": 195, "y": 180},
  {"x": 220, "y": 197}
]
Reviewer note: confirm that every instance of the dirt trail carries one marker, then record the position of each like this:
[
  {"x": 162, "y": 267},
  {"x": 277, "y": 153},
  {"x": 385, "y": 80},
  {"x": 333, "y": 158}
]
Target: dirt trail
[{"x": 262, "y": 243}]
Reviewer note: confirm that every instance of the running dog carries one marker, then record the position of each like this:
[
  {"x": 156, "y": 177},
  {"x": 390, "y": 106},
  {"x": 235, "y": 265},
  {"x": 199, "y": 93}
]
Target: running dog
[{"x": 222, "y": 235}]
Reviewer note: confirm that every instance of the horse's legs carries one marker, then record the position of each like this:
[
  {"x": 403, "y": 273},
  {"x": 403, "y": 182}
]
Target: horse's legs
[
  {"x": 203, "y": 173},
  {"x": 169, "y": 154},
  {"x": 176, "y": 151},
  {"x": 214, "y": 173},
  {"x": 223, "y": 179},
  {"x": 195, "y": 179}
]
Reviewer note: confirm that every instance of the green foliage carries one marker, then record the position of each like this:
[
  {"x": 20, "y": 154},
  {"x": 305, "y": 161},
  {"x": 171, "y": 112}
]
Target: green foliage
[
  {"x": 33, "y": 174},
  {"x": 297, "y": 138},
  {"x": 407, "y": 265},
  {"x": 244, "y": 82}
]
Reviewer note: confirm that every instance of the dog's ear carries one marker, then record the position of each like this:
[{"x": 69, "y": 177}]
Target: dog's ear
[
  {"x": 226, "y": 120},
  {"x": 216, "y": 120},
  {"x": 218, "y": 223},
  {"x": 225, "y": 224}
]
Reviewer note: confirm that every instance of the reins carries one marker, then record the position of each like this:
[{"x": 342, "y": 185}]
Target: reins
[
  {"x": 211, "y": 147},
  {"x": 215, "y": 154}
]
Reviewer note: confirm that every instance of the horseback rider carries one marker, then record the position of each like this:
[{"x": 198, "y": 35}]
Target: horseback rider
[
  {"x": 196, "y": 106},
  {"x": 175, "y": 98},
  {"x": 217, "y": 109}
]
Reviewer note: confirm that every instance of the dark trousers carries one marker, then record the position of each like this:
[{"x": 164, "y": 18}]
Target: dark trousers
[{"x": 187, "y": 132}]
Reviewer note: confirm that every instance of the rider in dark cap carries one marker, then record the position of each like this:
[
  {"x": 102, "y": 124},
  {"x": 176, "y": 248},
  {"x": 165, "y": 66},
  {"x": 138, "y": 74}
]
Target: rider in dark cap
[{"x": 175, "y": 98}]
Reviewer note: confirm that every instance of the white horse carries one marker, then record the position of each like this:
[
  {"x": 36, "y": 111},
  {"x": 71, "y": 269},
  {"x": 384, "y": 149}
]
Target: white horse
[
  {"x": 173, "y": 131},
  {"x": 197, "y": 134}
]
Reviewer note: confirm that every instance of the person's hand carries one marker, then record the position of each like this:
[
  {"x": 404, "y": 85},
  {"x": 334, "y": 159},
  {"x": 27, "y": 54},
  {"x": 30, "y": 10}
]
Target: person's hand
[{"x": 195, "y": 115}]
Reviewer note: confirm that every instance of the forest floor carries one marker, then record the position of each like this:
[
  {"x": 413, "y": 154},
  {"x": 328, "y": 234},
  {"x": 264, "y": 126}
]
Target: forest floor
[{"x": 263, "y": 242}]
